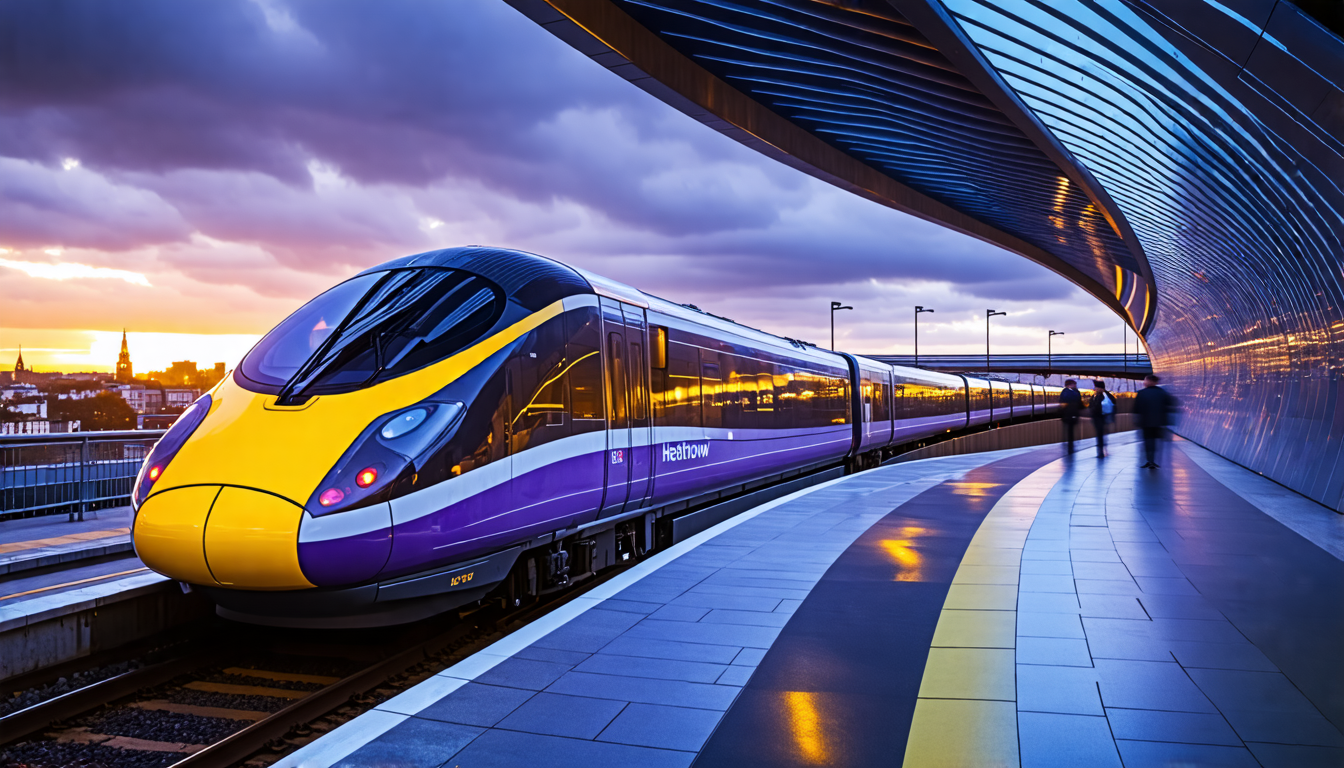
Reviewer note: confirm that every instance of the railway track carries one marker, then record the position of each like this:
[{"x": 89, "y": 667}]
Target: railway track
[{"x": 249, "y": 695}]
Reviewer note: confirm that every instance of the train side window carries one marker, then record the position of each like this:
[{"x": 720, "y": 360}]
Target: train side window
[
  {"x": 619, "y": 390},
  {"x": 712, "y": 389},
  {"x": 676, "y": 388},
  {"x": 585, "y": 371},
  {"x": 868, "y": 385},
  {"x": 638, "y": 388},
  {"x": 657, "y": 347}
]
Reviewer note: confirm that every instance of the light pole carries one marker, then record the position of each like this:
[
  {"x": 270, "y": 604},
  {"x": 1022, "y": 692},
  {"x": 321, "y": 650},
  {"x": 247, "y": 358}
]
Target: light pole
[
  {"x": 834, "y": 306},
  {"x": 988, "y": 314},
  {"x": 918, "y": 311},
  {"x": 1049, "y": 356},
  {"x": 1125, "y": 346}
]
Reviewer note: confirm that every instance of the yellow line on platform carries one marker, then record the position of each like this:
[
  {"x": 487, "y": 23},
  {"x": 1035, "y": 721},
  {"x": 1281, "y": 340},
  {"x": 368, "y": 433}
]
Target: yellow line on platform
[
  {"x": 56, "y": 541},
  {"x": 74, "y": 583},
  {"x": 966, "y": 713}
]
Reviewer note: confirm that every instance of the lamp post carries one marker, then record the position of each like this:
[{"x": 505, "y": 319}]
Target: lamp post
[
  {"x": 918, "y": 311},
  {"x": 834, "y": 306},
  {"x": 1049, "y": 355},
  {"x": 988, "y": 314}
]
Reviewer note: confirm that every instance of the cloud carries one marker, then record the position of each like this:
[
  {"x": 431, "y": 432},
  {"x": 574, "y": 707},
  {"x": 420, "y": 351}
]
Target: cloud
[
  {"x": 242, "y": 156},
  {"x": 71, "y": 271}
]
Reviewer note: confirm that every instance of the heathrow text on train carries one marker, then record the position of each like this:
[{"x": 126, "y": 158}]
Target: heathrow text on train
[{"x": 682, "y": 451}]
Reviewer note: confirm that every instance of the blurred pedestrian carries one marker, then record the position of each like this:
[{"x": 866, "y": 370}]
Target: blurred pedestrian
[
  {"x": 1102, "y": 411},
  {"x": 1071, "y": 405},
  {"x": 1153, "y": 405}
]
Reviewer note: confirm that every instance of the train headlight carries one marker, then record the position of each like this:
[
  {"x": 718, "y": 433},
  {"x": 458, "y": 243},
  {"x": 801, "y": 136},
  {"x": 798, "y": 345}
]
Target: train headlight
[
  {"x": 403, "y": 423},
  {"x": 167, "y": 447},
  {"x": 383, "y": 453}
]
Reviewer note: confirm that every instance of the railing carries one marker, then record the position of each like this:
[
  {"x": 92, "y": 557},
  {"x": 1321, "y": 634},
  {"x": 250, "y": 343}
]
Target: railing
[{"x": 72, "y": 472}]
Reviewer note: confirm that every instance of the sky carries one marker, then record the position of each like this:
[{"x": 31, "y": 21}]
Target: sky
[{"x": 194, "y": 172}]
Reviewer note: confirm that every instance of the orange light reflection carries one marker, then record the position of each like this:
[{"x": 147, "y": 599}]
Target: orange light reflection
[
  {"x": 805, "y": 722},
  {"x": 909, "y": 562},
  {"x": 972, "y": 489}
]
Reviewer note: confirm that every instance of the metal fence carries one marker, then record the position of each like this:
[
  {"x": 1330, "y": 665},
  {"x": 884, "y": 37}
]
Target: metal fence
[{"x": 70, "y": 473}]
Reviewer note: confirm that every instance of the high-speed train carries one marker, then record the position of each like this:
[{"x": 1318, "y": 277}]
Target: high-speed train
[{"x": 477, "y": 422}]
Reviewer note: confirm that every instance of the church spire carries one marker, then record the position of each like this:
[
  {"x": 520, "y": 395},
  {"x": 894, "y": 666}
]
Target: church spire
[
  {"x": 19, "y": 367},
  {"x": 124, "y": 374}
]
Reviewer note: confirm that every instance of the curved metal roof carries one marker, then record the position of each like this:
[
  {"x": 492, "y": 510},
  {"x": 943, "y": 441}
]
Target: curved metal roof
[{"x": 1181, "y": 160}]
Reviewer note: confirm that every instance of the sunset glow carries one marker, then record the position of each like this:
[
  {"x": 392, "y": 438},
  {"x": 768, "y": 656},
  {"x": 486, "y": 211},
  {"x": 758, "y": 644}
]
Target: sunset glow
[
  {"x": 67, "y": 271},
  {"x": 70, "y": 351}
]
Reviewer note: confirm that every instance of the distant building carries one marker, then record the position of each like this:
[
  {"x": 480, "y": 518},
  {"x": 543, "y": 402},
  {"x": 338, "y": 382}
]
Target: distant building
[
  {"x": 180, "y": 373},
  {"x": 155, "y": 420},
  {"x": 179, "y": 398},
  {"x": 124, "y": 374},
  {"x": 17, "y": 391},
  {"x": 140, "y": 398},
  {"x": 153, "y": 400},
  {"x": 38, "y": 427},
  {"x": 22, "y": 373}
]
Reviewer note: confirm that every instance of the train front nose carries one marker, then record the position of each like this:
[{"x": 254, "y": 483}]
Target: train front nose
[{"x": 222, "y": 536}]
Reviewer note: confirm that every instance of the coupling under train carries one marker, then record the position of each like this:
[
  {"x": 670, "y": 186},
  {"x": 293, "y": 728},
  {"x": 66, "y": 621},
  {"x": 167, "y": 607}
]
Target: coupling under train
[{"x": 477, "y": 422}]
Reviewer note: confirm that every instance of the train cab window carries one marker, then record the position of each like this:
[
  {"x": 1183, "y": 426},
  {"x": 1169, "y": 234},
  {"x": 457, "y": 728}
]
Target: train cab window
[
  {"x": 373, "y": 328},
  {"x": 539, "y": 392}
]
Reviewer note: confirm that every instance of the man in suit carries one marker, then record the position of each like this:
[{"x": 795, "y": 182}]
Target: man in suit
[
  {"x": 1153, "y": 405},
  {"x": 1071, "y": 404}
]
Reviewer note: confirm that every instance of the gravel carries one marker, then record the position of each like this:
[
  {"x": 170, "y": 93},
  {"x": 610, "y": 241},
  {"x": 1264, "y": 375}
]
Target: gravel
[
  {"x": 23, "y": 699},
  {"x": 302, "y": 665},
  {"x": 53, "y": 754},
  {"x": 158, "y": 725},
  {"x": 264, "y": 682},
  {"x": 228, "y": 700}
]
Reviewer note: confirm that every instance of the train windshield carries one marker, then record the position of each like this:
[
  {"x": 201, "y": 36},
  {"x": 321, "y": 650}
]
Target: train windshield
[{"x": 372, "y": 328}]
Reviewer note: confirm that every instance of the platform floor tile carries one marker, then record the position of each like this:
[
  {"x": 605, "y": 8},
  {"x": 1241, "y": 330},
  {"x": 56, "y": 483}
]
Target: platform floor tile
[{"x": 643, "y": 673}]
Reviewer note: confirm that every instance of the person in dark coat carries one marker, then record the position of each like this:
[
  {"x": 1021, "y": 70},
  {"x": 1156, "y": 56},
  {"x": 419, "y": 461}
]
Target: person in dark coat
[
  {"x": 1102, "y": 411},
  {"x": 1153, "y": 405},
  {"x": 1070, "y": 405}
]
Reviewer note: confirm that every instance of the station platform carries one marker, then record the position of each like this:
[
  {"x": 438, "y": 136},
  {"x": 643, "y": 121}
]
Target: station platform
[
  {"x": 39, "y": 542},
  {"x": 1016, "y": 608}
]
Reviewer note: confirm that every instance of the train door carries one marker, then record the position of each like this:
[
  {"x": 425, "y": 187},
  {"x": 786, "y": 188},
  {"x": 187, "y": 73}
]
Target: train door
[
  {"x": 641, "y": 407},
  {"x": 629, "y": 451}
]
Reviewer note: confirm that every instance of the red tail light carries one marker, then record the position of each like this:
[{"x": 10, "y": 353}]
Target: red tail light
[
  {"x": 366, "y": 478},
  {"x": 155, "y": 471}
]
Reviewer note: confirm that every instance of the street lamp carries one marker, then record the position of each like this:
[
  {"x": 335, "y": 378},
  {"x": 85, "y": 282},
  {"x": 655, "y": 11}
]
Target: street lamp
[
  {"x": 834, "y": 306},
  {"x": 988, "y": 314},
  {"x": 1049, "y": 358},
  {"x": 918, "y": 312}
]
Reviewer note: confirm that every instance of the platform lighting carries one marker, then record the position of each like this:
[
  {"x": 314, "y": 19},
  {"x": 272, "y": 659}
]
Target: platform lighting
[
  {"x": 988, "y": 314},
  {"x": 918, "y": 312},
  {"x": 1049, "y": 358},
  {"x": 835, "y": 305}
]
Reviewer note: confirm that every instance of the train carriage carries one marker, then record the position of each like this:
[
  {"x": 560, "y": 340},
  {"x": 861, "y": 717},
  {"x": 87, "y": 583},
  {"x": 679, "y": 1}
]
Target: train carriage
[{"x": 478, "y": 421}]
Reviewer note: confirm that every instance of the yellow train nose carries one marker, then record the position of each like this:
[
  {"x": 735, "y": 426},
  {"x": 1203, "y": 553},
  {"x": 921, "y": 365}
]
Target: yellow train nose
[{"x": 222, "y": 536}]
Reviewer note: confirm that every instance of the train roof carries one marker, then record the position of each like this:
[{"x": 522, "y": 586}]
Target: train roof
[
  {"x": 529, "y": 280},
  {"x": 534, "y": 282}
]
